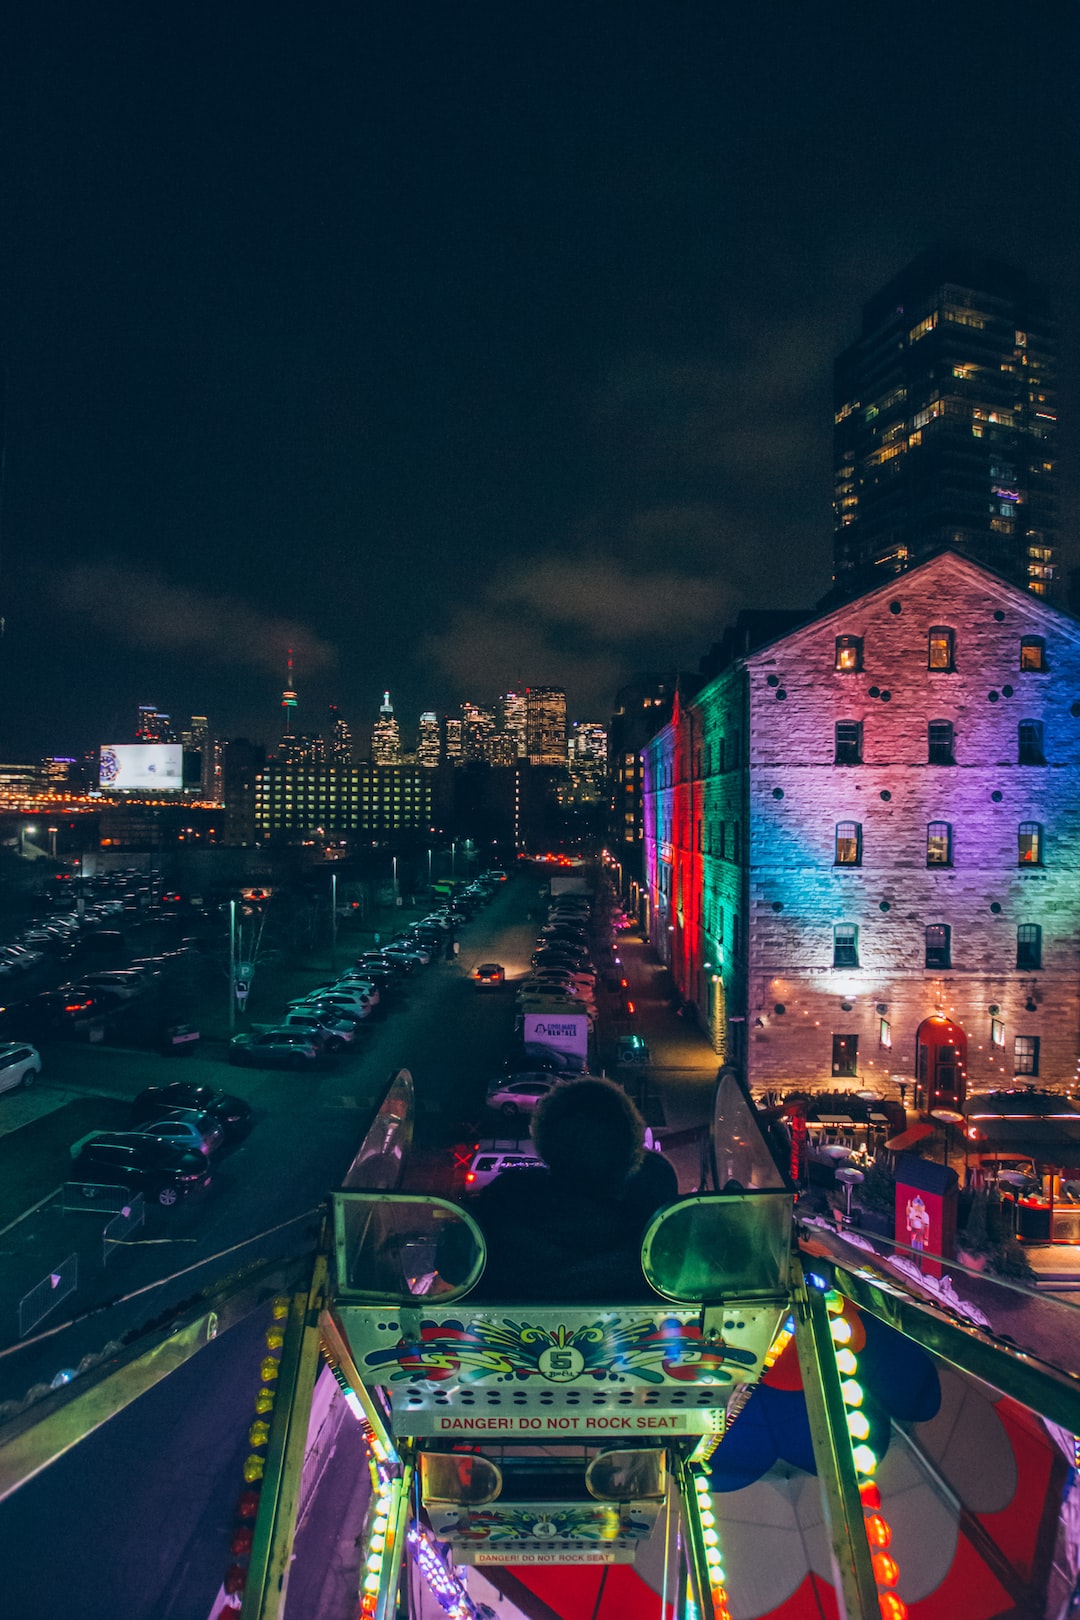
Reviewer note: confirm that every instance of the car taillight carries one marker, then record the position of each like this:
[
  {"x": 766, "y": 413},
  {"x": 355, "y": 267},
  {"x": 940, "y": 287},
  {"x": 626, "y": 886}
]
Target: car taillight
[
  {"x": 630, "y": 1007},
  {"x": 470, "y": 1175}
]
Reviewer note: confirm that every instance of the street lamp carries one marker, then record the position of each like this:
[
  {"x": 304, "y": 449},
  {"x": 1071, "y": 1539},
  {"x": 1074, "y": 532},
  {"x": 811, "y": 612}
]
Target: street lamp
[
  {"x": 52, "y": 841},
  {"x": 27, "y": 827}
]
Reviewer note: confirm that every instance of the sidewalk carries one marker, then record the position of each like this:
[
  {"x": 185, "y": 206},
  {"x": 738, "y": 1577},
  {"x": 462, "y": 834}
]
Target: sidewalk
[{"x": 683, "y": 1066}]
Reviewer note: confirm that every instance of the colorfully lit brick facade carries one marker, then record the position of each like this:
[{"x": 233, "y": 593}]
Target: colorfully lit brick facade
[{"x": 875, "y": 820}]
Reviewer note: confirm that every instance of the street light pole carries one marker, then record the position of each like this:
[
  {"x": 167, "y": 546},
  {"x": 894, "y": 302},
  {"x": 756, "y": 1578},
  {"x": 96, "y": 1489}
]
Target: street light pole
[
  {"x": 232, "y": 967},
  {"x": 333, "y": 922}
]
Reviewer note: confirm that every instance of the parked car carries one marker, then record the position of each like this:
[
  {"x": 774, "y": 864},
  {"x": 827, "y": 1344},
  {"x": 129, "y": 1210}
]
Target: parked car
[
  {"x": 488, "y": 1163},
  {"x": 536, "y": 1057},
  {"x": 350, "y": 1000},
  {"x": 334, "y": 1012},
  {"x": 20, "y": 1065},
  {"x": 335, "y": 1033},
  {"x": 520, "y": 1093},
  {"x": 234, "y": 1114},
  {"x": 120, "y": 982},
  {"x": 160, "y": 1170},
  {"x": 274, "y": 1048},
  {"x": 490, "y": 973},
  {"x": 188, "y": 1126}
]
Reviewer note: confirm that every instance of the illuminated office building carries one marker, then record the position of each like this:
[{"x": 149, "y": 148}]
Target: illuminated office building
[
  {"x": 339, "y": 749},
  {"x": 377, "y": 801},
  {"x": 429, "y": 743},
  {"x": 512, "y": 712},
  {"x": 385, "y": 736},
  {"x": 545, "y": 725},
  {"x": 945, "y": 425}
]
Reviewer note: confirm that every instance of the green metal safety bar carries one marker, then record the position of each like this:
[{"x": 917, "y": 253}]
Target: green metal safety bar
[{"x": 856, "y": 1587}]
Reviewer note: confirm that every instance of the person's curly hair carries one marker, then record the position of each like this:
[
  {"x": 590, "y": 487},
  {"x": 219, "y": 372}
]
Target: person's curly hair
[{"x": 589, "y": 1130}]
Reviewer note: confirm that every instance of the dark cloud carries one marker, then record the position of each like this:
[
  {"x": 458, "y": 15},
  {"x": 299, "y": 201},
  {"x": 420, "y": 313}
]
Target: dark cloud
[{"x": 141, "y": 608}]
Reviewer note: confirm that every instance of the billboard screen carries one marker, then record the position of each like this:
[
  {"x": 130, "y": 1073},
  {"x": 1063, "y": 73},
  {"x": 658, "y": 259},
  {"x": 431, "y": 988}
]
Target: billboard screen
[
  {"x": 142, "y": 767},
  {"x": 567, "y": 1033}
]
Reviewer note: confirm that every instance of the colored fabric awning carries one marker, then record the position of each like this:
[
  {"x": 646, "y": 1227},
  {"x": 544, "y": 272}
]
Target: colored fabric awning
[{"x": 908, "y": 1138}]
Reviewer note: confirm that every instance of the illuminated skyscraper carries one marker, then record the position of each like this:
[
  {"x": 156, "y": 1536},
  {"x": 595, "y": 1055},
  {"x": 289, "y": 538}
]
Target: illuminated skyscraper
[
  {"x": 152, "y": 726},
  {"x": 386, "y": 737},
  {"x": 946, "y": 425},
  {"x": 545, "y": 725},
  {"x": 340, "y": 747},
  {"x": 512, "y": 708},
  {"x": 587, "y": 754},
  {"x": 429, "y": 746},
  {"x": 455, "y": 745},
  {"x": 478, "y": 727}
]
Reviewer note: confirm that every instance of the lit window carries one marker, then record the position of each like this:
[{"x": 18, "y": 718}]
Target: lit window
[
  {"x": 885, "y": 1034},
  {"x": 939, "y": 945},
  {"x": 845, "y": 945},
  {"x": 997, "y": 1032},
  {"x": 1029, "y": 743},
  {"x": 849, "y": 653},
  {"x": 1032, "y": 653},
  {"x": 939, "y": 843},
  {"x": 1026, "y": 1054},
  {"x": 1029, "y": 844},
  {"x": 940, "y": 743},
  {"x": 845, "y": 1055},
  {"x": 1029, "y": 946},
  {"x": 848, "y": 742},
  {"x": 940, "y": 649},
  {"x": 848, "y": 844}
]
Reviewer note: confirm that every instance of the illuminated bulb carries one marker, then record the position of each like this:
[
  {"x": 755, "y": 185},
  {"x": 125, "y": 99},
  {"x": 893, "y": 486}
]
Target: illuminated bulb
[
  {"x": 371, "y": 1583},
  {"x": 865, "y": 1460},
  {"x": 374, "y": 1562},
  {"x": 852, "y": 1392},
  {"x": 886, "y": 1569},
  {"x": 710, "y": 1538},
  {"x": 380, "y": 1526},
  {"x": 878, "y": 1533},
  {"x": 846, "y": 1362},
  {"x": 892, "y": 1608},
  {"x": 834, "y": 1302},
  {"x": 858, "y": 1427},
  {"x": 707, "y": 1519},
  {"x": 378, "y": 1543},
  {"x": 840, "y": 1330},
  {"x": 712, "y": 1556}
]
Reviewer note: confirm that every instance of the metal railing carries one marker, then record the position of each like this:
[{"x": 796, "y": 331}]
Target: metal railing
[
  {"x": 92, "y": 1198},
  {"x": 123, "y": 1223},
  {"x": 47, "y": 1294}
]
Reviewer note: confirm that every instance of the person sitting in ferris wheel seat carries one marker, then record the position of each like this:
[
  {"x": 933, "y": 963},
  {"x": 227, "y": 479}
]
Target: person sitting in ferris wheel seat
[{"x": 573, "y": 1230}]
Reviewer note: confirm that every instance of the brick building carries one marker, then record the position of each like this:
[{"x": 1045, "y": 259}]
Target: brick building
[{"x": 862, "y": 840}]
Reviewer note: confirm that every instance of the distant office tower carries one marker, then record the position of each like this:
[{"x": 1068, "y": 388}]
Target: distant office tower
[
  {"x": 455, "y": 739},
  {"x": 500, "y": 748},
  {"x": 478, "y": 727},
  {"x": 946, "y": 425},
  {"x": 429, "y": 743},
  {"x": 339, "y": 750},
  {"x": 545, "y": 725},
  {"x": 512, "y": 709},
  {"x": 152, "y": 726},
  {"x": 385, "y": 737},
  {"x": 196, "y": 740},
  {"x": 300, "y": 748},
  {"x": 586, "y": 752}
]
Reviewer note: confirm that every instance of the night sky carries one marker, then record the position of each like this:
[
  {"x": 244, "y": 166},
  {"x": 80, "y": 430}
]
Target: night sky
[{"x": 460, "y": 344}]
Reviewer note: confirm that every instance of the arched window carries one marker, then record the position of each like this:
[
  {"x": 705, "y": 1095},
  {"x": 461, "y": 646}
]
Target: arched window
[
  {"x": 848, "y": 653},
  {"x": 848, "y": 851},
  {"x": 939, "y": 843},
  {"x": 939, "y": 649},
  {"x": 1029, "y": 844},
  {"x": 939, "y": 945},
  {"x": 1029, "y": 743}
]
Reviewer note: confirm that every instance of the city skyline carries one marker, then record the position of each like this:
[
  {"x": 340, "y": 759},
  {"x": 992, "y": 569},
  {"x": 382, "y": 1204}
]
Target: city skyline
[{"x": 561, "y": 413}]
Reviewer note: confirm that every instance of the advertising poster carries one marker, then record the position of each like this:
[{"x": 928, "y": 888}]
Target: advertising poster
[
  {"x": 141, "y": 768},
  {"x": 926, "y": 1210}
]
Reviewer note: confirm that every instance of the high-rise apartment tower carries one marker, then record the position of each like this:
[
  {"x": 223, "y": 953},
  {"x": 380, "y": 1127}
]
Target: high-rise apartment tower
[
  {"x": 946, "y": 425},
  {"x": 545, "y": 725}
]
